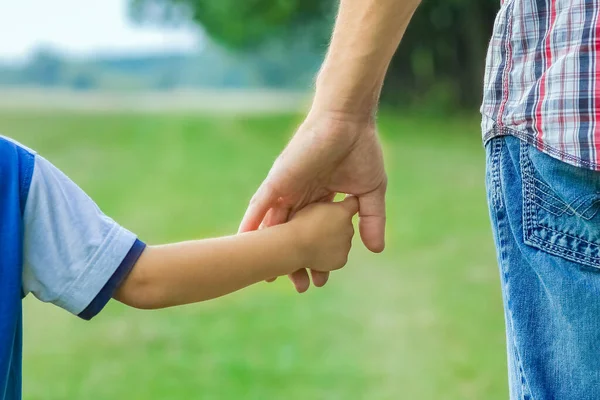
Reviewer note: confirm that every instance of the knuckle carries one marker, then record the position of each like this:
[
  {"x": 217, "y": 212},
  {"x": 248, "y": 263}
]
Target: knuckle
[
  {"x": 343, "y": 262},
  {"x": 269, "y": 188},
  {"x": 266, "y": 190},
  {"x": 384, "y": 183},
  {"x": 342, "y": 258}
]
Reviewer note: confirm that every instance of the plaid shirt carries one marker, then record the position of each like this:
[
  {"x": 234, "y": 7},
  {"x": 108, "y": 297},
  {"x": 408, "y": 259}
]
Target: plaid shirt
[{"x": 542, "y": 79}]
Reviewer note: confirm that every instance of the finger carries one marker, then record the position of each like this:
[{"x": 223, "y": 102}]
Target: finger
[
  {"x": 275, "y": 216},
  {"x": 350, "y": 203},
  {"x": 261, "y": 202},
  {"x": 328, "y": 198},
  {"x": 300, "y": 280},
  {"x": 372, "y": 220},
  {"x": 271, "y": 280},
  {"x": 319, "y": 278}
]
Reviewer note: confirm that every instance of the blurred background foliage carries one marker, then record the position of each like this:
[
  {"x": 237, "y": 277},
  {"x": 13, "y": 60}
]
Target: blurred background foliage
[
  {"x": 214, "y": 68},
  {"x": 441, "y": 59},
  {"x": 280, "y": 44}
]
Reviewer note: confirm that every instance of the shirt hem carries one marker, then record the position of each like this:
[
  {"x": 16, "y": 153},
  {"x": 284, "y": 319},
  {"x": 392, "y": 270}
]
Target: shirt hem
[
  {"x": 497, "y": 131},
  {"x": 77, "y": 296},
  {"x": 107, "y": 292}
]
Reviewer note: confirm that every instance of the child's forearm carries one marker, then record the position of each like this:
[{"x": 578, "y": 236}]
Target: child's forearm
[{"x": 200, "y": 270}]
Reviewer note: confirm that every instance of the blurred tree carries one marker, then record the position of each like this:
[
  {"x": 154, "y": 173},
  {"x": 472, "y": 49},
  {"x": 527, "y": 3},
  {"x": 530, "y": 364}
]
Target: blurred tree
[
  {"x": 83, "y": 80},
  {"x": 242, "y": 24},
  {"x": 440, "y": 60},
  {"x": 443, "y": 52},
  {"x": 167, "y": 80},
  {"x": 46, "y": 68}
]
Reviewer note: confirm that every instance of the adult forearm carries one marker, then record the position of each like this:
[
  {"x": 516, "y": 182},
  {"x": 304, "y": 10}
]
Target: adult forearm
[
  {"x": 200, "y": 270},
  {"x": 366, "y": 35}
]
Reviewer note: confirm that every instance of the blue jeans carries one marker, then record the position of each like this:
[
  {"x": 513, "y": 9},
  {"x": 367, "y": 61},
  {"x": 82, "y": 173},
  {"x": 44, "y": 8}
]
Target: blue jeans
[{"x": 546, "y": 227}]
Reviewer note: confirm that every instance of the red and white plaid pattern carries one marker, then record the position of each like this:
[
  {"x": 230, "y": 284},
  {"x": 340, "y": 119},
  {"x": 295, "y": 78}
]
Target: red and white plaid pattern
[{"x": 542, "y": 79}]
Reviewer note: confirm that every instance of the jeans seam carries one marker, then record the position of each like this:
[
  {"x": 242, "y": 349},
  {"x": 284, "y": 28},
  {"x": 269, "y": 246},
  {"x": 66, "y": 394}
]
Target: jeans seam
[
  {"x": 500, "y": 220},
  {"x": 495, "y": 161}
]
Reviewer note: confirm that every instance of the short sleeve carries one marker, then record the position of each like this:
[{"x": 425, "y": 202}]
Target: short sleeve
[{"x": 72, "y": 251}]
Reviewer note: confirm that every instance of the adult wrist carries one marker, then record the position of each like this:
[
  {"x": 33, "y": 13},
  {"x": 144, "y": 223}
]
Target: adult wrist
[
  {"x": 344, "y": 86},
  {"x": 333, "y": 120},
  {"x": 353, "y": 104}
]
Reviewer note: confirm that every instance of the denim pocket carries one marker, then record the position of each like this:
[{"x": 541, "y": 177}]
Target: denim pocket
[{"x": 560, "y": 207}]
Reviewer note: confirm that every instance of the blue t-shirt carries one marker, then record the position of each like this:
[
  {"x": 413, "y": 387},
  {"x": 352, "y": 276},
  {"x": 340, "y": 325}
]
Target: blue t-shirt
[{"x": 55, "y": 243}]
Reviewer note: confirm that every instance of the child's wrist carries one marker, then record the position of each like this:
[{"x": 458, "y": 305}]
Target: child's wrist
[
  {"x": 283, "y": 249},
  {"x": 302, "y": 246}
]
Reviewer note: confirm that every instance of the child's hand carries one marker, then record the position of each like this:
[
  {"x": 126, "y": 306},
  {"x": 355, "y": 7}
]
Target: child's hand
[{"x": 324, "y": 232}]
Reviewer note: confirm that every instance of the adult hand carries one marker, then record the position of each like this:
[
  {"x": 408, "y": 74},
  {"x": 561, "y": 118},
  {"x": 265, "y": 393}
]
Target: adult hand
[{"x": 330, "y": 153}]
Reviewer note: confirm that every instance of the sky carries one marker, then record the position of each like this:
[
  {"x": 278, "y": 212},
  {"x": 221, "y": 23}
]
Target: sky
[{"x": 81, "y": 28}]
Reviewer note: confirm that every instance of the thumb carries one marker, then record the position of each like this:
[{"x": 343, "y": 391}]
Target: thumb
[
  {"x": 350, "y": 203},
  {"x": 261, "y": 202},
  {"x": 372, "y": 219}
]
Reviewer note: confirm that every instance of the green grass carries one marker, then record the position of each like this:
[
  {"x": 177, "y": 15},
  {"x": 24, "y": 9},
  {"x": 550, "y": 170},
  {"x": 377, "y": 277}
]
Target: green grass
[{"x": 421, "y": 321}]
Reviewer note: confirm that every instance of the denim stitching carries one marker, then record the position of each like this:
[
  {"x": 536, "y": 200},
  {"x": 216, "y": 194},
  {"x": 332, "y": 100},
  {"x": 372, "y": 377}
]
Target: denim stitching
[
  {"x": 532, "y": 212},
  {"x": 506, "y": 281},
  {"x": 545, "y": 226},
  {"x": 499, "y": 216},
  {"x": 578, "y": 256},
  {"x": 547, "y": 190},
  {"x": 531, "y": 224},
  {"x": 506, "y": 131},
  {"x": 570, "y": 208},
  {"x": 543, "y": 201},
  {"x": 551, "y": 208},
  {"x": 581, "y": 213},
  {"x": 495, "y": 159},
  {"x": 527, "y": 195}
]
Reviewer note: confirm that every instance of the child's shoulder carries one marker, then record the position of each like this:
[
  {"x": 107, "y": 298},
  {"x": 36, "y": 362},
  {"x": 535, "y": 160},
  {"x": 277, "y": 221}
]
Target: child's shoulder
[
  {"x": 10, "y": 145},
  {"x": 16, "y": 167}
]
